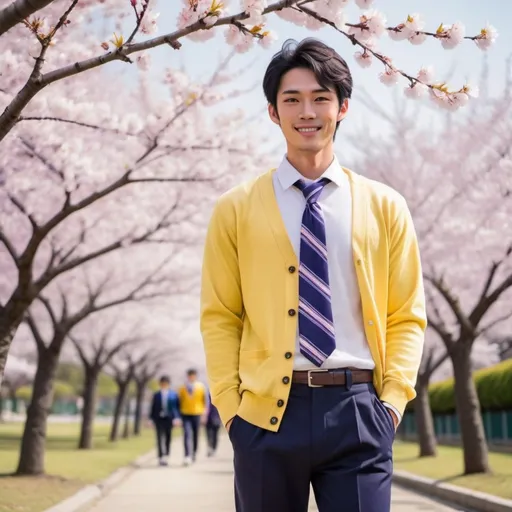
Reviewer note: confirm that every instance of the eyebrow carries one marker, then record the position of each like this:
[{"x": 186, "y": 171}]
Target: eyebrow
[{"x": 294, "y": 91}]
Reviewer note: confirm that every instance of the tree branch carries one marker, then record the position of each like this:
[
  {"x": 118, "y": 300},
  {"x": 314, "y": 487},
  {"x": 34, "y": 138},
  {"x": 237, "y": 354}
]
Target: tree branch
[
  {"x": 46, "y": 303},
  {"x": 18, "y": 11},
  {"x": 37, "y": 82},
  {"x": 10, "y": 247},
  {"x": 494, "y": 323},
  {"x": 486, "y": 301},
  {"x": 431, "y": 364},
  {"x": 21, "y": 208},
  {"x": 34, "y": 152},
  {"x": 29, "y": 319},
  {"x": 464, "y": 322},
  {"x": 77, "y": 123}
]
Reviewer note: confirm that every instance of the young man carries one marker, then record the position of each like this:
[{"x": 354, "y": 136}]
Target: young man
[
  {"x": 164, "y": 410},
  {"x": 312, "y": 308},
  {"x": 193, "y": 403},
  {"x": 213, "y": 424}
]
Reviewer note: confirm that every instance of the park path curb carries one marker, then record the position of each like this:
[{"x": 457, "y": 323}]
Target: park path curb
[
  {"x": 452, "y": 494},
  {"x": 88, "y": 494}
]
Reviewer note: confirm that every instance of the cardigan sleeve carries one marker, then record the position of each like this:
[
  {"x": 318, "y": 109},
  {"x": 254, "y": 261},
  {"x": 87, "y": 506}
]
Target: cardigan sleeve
[
  {"x": 221, "y": 314},
  {"x": 406, "y": 313}
]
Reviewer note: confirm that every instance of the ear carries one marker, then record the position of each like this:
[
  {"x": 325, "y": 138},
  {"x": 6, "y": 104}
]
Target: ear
[
  {"x": 343, "y": 110},
  {"x": 274, "y": 116}
]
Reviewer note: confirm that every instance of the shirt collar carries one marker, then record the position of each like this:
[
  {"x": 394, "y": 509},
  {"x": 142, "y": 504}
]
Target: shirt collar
[{"x": 288, "y": 175}]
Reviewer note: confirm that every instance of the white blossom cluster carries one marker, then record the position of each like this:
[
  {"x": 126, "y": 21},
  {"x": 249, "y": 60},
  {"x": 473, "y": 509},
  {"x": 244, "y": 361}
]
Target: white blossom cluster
[{"x": 365, "y": 32}]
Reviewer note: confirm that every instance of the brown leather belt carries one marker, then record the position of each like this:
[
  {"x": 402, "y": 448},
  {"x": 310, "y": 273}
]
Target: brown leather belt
[{"x": 338, "y": 377}]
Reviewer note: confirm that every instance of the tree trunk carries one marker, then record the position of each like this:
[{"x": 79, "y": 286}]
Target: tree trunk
[
  {"x": 476, "y": 456},
  {"x": 424, "y": 421},
  {"x": 31, "y": 461},
  {"x": 14, "y": 401},
  {"x": 2, "y": 406},
  {"x": 88, "y": 408},
  {"x": 126, "y": 430},
  {"x": 8, "y": 329},
  {"x": 141, "y": 388},
  {"x": 118, "y": 410}
]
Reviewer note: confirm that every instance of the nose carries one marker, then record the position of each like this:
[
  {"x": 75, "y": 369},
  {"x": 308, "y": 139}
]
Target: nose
[{"x": 307, "y": 112}]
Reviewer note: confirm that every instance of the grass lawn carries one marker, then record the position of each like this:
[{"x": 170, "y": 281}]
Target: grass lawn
[
  {"x": 68, "y": 469},
  {"x": 448, "y": 467}
]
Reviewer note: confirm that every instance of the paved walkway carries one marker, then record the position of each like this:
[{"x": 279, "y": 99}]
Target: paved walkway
[{"x": 206, "y": 486}]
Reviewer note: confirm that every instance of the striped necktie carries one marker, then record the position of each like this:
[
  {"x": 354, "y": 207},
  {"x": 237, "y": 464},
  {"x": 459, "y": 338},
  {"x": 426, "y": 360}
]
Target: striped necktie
[{"x": 316, "y": 327}]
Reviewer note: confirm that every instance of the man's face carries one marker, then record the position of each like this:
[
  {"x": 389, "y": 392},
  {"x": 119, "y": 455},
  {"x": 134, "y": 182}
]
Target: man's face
[
  {"x": 192, "y": 377},
  {"x": 164, "y": 385},
  {"x": 306, "y": 112}
]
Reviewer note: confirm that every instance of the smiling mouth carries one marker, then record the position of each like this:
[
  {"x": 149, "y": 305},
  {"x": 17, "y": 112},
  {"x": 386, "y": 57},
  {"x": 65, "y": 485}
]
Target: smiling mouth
[{"x": 308, "y": 130}]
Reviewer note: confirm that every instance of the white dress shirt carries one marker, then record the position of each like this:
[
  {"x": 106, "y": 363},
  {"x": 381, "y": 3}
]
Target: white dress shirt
[
  {"x": 165, "y": 404},
  {"x": 352, "y": 348}
]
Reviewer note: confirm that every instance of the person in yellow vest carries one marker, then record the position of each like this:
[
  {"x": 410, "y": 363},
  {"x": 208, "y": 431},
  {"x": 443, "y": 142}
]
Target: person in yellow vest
[{"x": 193, "y": 399}]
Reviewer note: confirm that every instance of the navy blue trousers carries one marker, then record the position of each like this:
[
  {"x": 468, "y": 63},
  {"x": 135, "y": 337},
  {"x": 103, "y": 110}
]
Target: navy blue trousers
[
  {"x": 338, "y": 440},
  {"x": 163, "y": 428},
  {"x": 191, "y": 424}
]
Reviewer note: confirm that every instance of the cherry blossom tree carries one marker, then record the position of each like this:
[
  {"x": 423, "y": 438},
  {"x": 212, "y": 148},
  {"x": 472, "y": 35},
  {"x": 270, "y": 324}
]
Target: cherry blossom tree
[
  {"x": 99, "y": 341},
  {"x": 162, "y": 155},
  {"x": 133, "y": 326},
  {"x": 244, "y": 23},
  {"x": 19, "y": 372},
  {"x": 143, "y": 374},
  {"x": 503, "y": 346},
  {"x": 65, "y": 310},
  {"x": 458, "y": 184},
  {"x": 123, "y": 369}
]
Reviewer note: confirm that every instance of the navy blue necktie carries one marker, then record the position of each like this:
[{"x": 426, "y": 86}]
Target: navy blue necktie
[{"x": 316, "y": 327}]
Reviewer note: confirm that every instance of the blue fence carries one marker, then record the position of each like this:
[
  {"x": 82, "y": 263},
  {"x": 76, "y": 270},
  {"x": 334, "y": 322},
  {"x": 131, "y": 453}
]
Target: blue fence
[{"x": 497, "y": 426}]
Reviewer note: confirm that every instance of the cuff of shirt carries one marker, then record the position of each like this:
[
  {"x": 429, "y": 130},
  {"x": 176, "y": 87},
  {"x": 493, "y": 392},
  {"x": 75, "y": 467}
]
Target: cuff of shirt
[{"x": 398, "y": 415}]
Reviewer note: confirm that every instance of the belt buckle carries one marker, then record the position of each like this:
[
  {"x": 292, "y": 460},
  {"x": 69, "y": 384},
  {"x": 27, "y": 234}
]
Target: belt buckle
[{"x": 309, "y": 378}]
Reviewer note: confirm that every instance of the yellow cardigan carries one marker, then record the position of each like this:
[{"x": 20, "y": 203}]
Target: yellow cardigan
[
  {"x": 194, "y": 403},
  {"x": 249, "y": 287}
]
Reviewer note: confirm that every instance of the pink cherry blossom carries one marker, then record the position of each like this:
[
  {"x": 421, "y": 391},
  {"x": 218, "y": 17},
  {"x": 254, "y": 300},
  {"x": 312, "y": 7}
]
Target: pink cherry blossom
[
  {"x": 148, "y": 25},
  {"x": 451, "y": 36},
  {"x": 364, "y": 4},
  {"x": 144, "y": 61},
  {"x": 77, "y": 51},
  {"x": 416, "y": 91},
  {"x": 486, "y": 38},
  {"x": 417, "y": 38},
  {"x": 364, "y": 59},
  {"x": 389, "y": 77},
  {"x": 426, "y": 74},
  {"x": 268, "y": 39}
]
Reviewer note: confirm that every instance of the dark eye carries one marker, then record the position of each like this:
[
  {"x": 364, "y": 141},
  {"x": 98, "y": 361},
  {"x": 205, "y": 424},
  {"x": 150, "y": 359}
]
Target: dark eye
[
  {"x": 290, "y": 100},
  {"x": 322, "y": 98}
]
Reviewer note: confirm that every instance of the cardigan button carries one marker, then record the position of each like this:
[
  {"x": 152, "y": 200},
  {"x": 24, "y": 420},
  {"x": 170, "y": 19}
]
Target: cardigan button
[
  {"x": 273, "y": 420},
  {"x": 291, "y": 312},
  {"x": 291, "y": 269},
  {"x": 286, "y": 380},
  {"x": 280, "y": 403},
  {"x": 288, "y": 355}
]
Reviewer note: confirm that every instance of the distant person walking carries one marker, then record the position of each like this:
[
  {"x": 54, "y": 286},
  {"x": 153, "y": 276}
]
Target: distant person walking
[
  {"x": 193, "y": 399},
  {"x": 164, "y": 410},
  {"x": 213, "y": 423}
]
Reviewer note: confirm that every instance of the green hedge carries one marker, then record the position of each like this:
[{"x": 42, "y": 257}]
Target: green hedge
[{"x": 493, "y": 385}]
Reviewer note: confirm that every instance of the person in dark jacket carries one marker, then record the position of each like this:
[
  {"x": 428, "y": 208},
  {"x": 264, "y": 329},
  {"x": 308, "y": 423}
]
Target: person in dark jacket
[
  {"x": 213, "y": 423},
  {"x": 164, "y": 410}
]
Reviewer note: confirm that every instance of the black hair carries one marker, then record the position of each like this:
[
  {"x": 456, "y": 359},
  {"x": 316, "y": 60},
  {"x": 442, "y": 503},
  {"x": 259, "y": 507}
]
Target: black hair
[
  {"x": 192, "y": 371},
  {"x": 165, "y": 379},
  {"x": 329, "y": 67}
]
